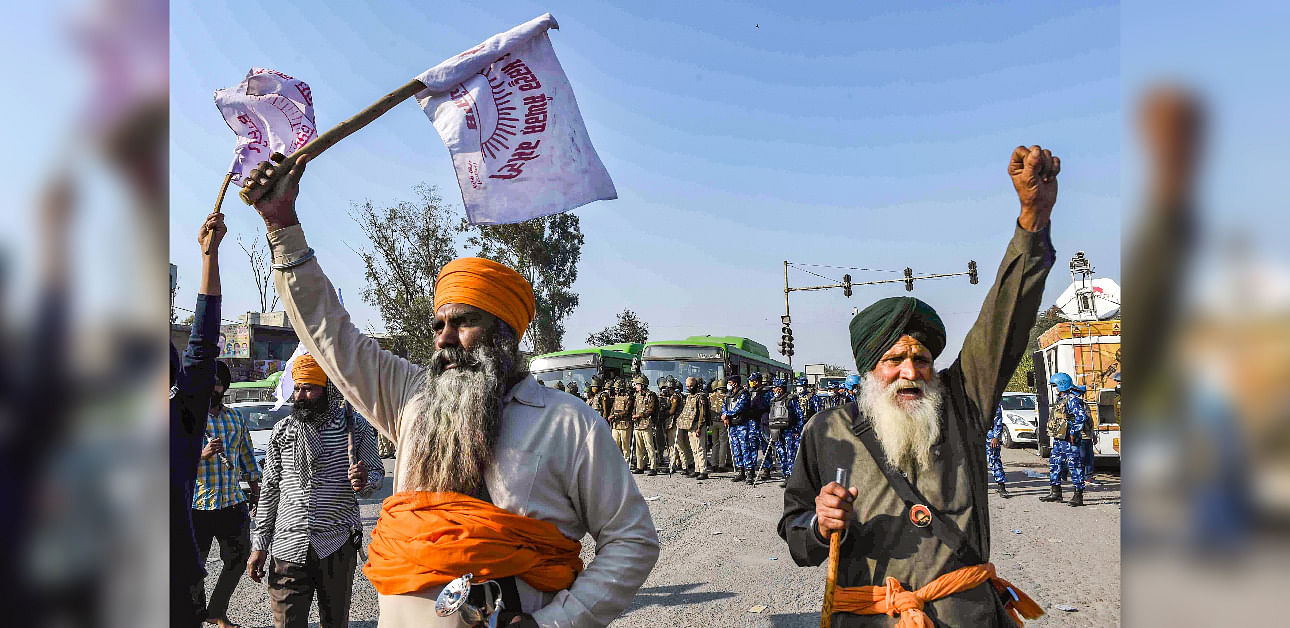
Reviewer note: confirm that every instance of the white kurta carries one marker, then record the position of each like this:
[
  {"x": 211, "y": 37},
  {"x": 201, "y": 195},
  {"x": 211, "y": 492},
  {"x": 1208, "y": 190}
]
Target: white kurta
[{"x": 555, "y": 458}]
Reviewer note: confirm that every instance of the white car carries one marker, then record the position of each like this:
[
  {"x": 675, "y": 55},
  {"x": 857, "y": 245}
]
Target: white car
[
  {"x": 1020, "y": 418},
  {"x": 260, "y": 417}
]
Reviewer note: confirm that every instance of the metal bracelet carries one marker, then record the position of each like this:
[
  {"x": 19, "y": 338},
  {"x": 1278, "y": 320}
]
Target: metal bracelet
[{"x": 309, "y": 254}]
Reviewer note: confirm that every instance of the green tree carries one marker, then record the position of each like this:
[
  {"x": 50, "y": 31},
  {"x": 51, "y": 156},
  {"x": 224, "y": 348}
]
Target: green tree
[
  {"x": 1043, "y": 322},
  {"x": 546, "y": 251},
  {"x": 628, "y": 328},
  {"x": 410, "y": 241}
]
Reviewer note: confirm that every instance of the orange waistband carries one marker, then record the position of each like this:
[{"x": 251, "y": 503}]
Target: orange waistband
[
  {"x": 425, "y": 539},
  {"x": 892, "y": 599}
]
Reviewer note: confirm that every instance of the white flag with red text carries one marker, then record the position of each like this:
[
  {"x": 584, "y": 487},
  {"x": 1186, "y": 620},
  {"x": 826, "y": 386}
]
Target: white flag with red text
[
  {"x": 271, "y": 113},
  {"x": 508, "y": 116}
]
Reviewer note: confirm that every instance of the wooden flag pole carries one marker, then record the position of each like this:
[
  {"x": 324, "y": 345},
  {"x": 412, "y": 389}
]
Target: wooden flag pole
[
  {"x": 219, "y": 200},
  {"x": 835, "y": 549},
  {"x": 344, "y": 129}
]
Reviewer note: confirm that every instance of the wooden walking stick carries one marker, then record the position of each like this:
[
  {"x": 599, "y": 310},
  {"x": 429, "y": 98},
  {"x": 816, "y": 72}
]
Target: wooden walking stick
[
  {"x": 835, "y": 548},
  {"x": 344, "y": 129}
]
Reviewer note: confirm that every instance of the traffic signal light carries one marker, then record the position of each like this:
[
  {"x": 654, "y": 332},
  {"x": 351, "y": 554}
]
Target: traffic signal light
[
  {"x": 846, "y": 285},
  {"x": 909, "y": 280},
  {"x": 786, "y": 341},
  {"x": 972, "y": 271}
]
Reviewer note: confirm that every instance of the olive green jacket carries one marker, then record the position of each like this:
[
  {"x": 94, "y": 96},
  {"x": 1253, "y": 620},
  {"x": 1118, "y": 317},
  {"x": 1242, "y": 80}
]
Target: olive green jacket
[{"x": 881, "y": 541}]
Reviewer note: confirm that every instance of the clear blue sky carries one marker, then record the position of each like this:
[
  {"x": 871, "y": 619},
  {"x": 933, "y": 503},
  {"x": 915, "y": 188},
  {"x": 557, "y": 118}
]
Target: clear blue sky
[{"x": 738, "y": 137}]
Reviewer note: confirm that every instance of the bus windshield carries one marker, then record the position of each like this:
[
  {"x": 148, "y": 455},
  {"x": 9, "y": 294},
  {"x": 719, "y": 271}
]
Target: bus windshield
[
  {"x": 680, "y": 369},
  {"x": 581, "y": 376}
]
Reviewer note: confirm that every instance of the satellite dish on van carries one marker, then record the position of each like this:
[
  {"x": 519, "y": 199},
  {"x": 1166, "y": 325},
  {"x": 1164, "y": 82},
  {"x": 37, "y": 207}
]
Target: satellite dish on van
[{"x": 1088, "y": 299}]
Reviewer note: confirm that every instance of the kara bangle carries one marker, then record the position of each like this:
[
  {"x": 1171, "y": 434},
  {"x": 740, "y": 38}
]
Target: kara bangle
[{"x": 309, "y": 254}]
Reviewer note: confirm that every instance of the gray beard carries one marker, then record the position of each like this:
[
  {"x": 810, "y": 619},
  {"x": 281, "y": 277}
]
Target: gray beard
[
  {"x": 907, "y": 429},
  {"x": 450, "y": 442}
]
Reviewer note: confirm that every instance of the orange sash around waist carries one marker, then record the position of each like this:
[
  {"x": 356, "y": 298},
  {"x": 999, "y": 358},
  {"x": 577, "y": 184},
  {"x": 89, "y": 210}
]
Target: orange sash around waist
[
  {"x": 425, "y": 539},
  {"x": 892, "y": 599}
]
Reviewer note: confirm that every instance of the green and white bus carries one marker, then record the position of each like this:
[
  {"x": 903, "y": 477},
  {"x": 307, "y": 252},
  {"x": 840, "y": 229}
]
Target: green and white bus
[
  {"x": 580, "y": 365},
  {"x": 708, "y": 357}
]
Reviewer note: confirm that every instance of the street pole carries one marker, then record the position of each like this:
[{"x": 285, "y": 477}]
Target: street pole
[{"x": 786, "y": 312}]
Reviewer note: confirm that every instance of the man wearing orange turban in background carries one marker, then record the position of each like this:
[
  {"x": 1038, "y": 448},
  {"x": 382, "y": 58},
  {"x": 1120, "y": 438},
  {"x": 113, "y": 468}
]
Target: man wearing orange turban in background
[
  {"x": 495, "y": 474},
  {"x": 307, "y": 516}
]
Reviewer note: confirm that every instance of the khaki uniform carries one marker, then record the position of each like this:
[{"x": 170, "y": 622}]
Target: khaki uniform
[
  {"x": 602, "y": 402},
  {"x": 669, "y": 407},
  {"x": 620, "y": 417},
  {"x": 690, "y": 427},
  {"x": 644, "y": 409},
  {"x": 720, "y": 432}
]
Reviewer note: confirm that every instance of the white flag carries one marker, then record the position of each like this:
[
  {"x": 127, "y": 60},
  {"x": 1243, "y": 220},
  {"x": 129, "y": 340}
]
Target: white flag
[
  {"x": 508, "y": 116},
  {"x": 271, "y": 113},
  {"x": 286, "y": 385}
]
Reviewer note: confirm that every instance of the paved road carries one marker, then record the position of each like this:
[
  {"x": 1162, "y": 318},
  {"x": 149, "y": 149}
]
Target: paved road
[{"x": 721, "y": 557}]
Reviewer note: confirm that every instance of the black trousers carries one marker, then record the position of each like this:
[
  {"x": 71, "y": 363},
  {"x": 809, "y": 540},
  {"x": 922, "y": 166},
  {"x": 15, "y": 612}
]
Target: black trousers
[
  {"x": 292, "y": 586},
  {"x": 232, "y": 528}
]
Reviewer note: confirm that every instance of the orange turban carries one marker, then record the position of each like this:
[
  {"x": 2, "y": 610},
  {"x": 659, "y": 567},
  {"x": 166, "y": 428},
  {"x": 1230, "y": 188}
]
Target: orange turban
[
  {"x": 489, "y": 286},
  {"x": 305, "y": 370}
]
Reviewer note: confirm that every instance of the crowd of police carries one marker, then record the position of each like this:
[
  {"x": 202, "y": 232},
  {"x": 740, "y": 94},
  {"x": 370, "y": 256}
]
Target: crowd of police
[{"x": 697, "y": 427}]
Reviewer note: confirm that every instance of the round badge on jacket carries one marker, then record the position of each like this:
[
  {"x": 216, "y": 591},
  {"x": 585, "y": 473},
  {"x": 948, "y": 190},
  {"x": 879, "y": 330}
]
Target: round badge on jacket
[{"x": 920, "y": 515}]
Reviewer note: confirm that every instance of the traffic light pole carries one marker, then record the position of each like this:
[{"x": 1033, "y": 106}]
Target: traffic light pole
[
  {"x": 787, "y": 318},
  {"x": 786, "y": 340},
  {"x": 871, "y": 283}
]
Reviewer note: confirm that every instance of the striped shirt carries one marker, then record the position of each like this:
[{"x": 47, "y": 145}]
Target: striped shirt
[
  {"x": 218, "y": 478},
  {"x": 296, "y": 511}
]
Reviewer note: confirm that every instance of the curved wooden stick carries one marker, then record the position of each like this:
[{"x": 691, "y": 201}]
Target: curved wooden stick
[{"x": 344, "y": 129}]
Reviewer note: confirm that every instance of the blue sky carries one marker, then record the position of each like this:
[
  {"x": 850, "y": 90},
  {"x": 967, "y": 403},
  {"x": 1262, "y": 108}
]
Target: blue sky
[{"x": 738, "y": 137}]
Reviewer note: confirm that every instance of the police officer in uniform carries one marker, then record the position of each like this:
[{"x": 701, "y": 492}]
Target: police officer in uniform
[
  {"x": 741, "y": 418},
  {"x": 850, "y": 388},
  {"x": 644, "y": 419},
  {"x": 573, "y": 390},
  {"x": 599, "y": 399},
  {"x": 692, "y": 426},
  {"x": 1066, "y": 426},
  {"x": 620, "y": 419},
  {"x": 992, "y": 447},
  {"x": 559, "y": 385},
  {"x": 670, "y": 404},
  {"x": 720, "y": 429},
  {"x": 760, "y": 401},
  {"x": 785, "y": 421},
  {"x": 805, "y": 399}
]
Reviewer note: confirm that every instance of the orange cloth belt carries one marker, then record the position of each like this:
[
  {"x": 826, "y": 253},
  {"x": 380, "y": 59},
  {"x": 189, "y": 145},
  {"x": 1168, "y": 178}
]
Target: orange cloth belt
[
  {"x": 892, "y": 599},
  {"x": 425, "y": 539}
]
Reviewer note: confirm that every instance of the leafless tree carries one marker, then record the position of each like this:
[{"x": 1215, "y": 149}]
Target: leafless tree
[{"x": 258, "y": 255}]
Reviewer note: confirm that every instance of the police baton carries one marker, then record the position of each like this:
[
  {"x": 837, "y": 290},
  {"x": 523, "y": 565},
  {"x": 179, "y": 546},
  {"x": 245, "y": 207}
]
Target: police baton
[{"x": 843, "y": 477}]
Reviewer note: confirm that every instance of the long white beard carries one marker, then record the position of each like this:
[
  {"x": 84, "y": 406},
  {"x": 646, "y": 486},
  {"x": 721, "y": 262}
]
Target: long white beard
[
  {"x": 450, "y": 442},
  {"x": 906, "y": 429}
]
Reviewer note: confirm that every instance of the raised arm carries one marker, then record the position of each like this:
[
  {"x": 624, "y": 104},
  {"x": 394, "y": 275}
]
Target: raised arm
[
  {"x": 995, "y": 344},
  {"x": 376, "y": 381}
]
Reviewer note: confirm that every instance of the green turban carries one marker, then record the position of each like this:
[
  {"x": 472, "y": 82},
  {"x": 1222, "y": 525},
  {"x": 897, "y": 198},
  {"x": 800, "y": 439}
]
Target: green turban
[{"x": 879, "y": 326}]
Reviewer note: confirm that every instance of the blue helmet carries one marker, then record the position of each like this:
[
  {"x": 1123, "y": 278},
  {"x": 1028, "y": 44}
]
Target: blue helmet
[
  {"x": 802, "y": 381},
  {"x": 755, "y": 376},
  {"x": 852, "y": 380},
  {"x": 779, "y": 383},
  {"x": 1063, "y": 382},
  {"x": 833, "y": 385}
]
